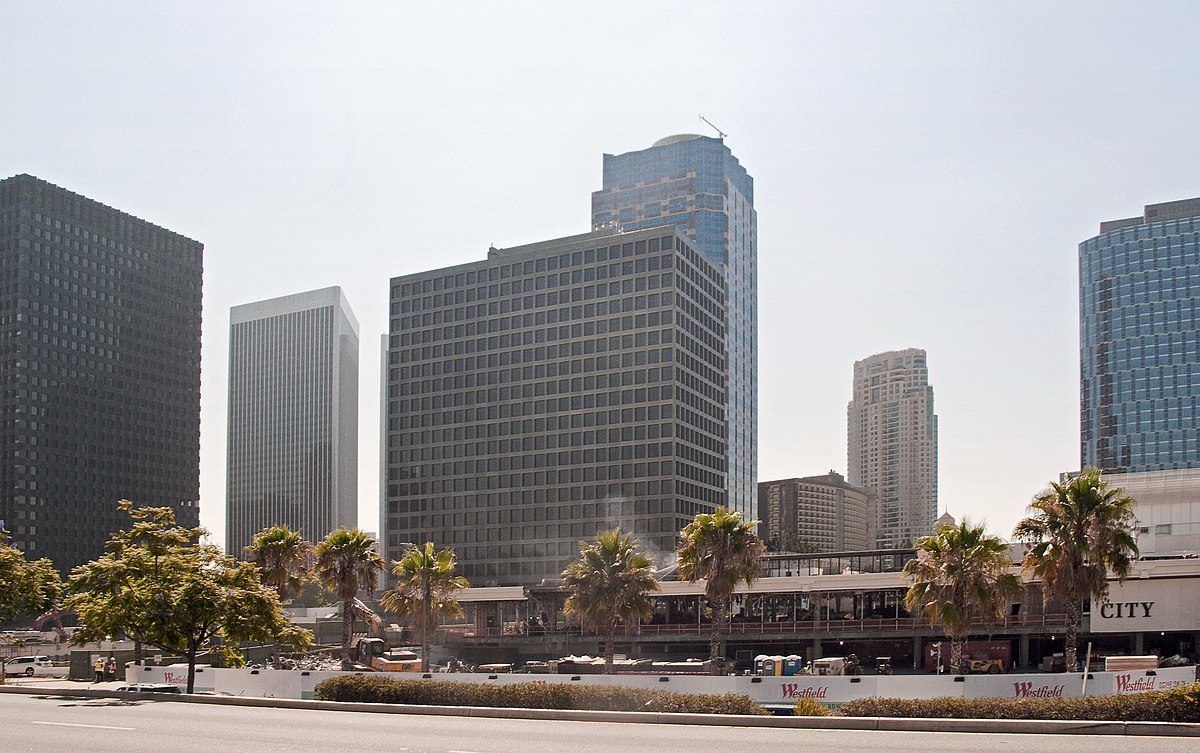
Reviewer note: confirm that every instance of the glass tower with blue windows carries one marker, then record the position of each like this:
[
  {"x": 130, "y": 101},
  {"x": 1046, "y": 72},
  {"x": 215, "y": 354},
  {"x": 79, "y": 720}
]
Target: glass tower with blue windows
[
  {"x": 696, "y": 184},
  {"x": 1139, "y": 331}
]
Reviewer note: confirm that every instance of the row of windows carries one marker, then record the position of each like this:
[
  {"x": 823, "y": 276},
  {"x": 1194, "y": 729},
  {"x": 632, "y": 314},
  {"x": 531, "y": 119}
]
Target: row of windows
[
  {"x": 634, "y": 323},
  {"x": 511, "y": 292},
  {"x": 494, "y": 355},
  {"x": 477, "y": 517},
  {"x": 497, "y": 413},
  {"x": 628, "y": 495},
  {"x": 703, "y": 490},
  {"x": 522, "y": 459},
  {"x": 477, "y": 316}
]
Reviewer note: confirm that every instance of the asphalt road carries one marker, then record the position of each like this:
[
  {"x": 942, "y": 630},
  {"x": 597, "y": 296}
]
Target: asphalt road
[{"x": 90, "y": 725}]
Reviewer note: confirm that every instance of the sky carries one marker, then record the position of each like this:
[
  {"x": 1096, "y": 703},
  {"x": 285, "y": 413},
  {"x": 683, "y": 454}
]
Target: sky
[{"x": 924, "y": 172}]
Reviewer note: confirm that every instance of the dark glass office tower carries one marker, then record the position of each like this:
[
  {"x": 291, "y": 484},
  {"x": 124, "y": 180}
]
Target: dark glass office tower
[
  {"x": 696, "y": 184},
  {"x": 100, "y": 323},
  {"x": 1139, "y": 332},
  {"x": 553, "y": 391}
]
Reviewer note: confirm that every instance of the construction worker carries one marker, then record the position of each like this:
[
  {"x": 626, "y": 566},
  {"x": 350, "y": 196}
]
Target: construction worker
[
  {"x": 110, "y": 670},
  {"x": 99, "y": 667}
]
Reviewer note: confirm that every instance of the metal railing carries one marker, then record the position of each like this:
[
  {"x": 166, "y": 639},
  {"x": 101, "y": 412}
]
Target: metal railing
[{"x": 880, "y": 625}]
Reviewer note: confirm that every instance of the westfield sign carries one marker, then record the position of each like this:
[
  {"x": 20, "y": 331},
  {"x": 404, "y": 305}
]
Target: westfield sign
[
  {"x": 1126, "y": 684},
  {"x": 1028, "y": 690},
  {"x": 792, "y": 690}
]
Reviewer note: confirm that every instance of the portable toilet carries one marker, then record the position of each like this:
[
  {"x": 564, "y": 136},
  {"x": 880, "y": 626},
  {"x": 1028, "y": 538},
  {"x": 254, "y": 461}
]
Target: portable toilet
[
  {"x": 772, "y": 666},
  {"x": 793, "y": 665},
  {"x": 759, "y": 662}
]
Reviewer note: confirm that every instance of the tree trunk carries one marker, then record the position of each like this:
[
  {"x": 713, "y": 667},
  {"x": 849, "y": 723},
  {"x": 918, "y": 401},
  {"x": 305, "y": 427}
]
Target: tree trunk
[
  {"x": 347, "y": 634},
  {"x": 956, "y": 647},
  {"x": 191, "y": 657},
  {"x": 1071, "y": 640},
  {"x": 426, "y": 646},
  {"x": 714, "y": 641},
  {"x": 426, "y": 618},
  {"x": 609, "y": 642},
  {"x": 138, "y": 653}
]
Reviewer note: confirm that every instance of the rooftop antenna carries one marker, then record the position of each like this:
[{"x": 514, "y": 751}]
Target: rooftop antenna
[{"x": 720, "y": 133}]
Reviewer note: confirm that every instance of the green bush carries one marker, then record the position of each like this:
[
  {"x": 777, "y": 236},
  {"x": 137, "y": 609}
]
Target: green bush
[
  {"x": 1181, "y": 704},
  {"x": 529, "y": 695},
  {"x": 810, "y": 707}
]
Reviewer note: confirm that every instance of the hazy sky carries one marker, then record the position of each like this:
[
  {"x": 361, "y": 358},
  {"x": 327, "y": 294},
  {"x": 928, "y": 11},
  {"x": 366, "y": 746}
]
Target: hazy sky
[{"x": 923, "y": 174}]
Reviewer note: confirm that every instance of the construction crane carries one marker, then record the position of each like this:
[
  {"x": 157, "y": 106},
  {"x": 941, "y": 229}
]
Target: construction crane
[{"x": 720, "y": 133}]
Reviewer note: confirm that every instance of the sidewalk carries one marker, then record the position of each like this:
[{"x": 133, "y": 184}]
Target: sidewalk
[{"x": 61, "y": 683}]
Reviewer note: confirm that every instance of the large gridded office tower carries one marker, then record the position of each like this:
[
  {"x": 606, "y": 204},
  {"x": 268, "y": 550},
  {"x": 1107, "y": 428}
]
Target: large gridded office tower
[
  {"x": 551, "y": 392},
  {"x": 293, "y": 417},
  {"x": 1139, "y": 349},
  {"x": 100, "y": 322},
  {"x": 892, "y": 444},
  {"x": 695, "y": 183}
]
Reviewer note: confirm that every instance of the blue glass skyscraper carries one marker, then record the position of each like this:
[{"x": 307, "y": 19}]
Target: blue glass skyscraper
[
  {"x": 1139, "y": 331},
  {"x": 695, "y": 183}
]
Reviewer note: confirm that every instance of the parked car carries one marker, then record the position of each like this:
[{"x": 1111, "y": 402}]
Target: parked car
[
  {"x": 25, "y": 665},
  {"x": 149, "y": 687}
]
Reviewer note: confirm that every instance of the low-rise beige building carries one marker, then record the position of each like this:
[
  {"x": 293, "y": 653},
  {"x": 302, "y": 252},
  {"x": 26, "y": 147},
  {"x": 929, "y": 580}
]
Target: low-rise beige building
[{"x": 816, "y": 514}]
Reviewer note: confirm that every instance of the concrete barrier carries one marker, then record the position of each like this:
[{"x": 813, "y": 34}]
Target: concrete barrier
[{"x": 769, "y": 691}]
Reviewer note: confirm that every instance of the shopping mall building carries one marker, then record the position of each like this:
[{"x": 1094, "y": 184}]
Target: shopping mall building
[{"x": 833, "y": 604}]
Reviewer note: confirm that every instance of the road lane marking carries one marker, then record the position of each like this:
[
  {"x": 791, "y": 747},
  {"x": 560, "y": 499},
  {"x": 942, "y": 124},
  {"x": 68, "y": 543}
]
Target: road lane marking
[{"x": 89, "y": 726}]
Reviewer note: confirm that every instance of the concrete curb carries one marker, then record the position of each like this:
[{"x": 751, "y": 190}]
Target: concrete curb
[{"x": 881, "y": 724}]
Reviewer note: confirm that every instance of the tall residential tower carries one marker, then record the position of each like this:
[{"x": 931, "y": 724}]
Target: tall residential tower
[
  {"x": 696, "y": 184},
  {"x": 293, "y": 416},
  {"x": 100, "y": 380},
  {"x": 892, "y": 444}
]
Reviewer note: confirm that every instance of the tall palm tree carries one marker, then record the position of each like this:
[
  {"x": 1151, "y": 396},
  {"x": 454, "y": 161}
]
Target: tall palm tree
[
  {"x": 282, "y": 556},
  {"x": 1079, "y": 532},
  {"x": 610, "y": 584},
  {"x": 348, "y": 563},
  {"x": 722, "y": 549},
  {"x": 425, "y": 589},
  {"x": 960, "y": 573}
]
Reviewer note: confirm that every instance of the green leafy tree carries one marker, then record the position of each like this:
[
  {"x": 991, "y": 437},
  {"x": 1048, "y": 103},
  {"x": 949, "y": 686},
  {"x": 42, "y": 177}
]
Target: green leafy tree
[
  {"x": 960, "y": 573},
  {"x": 282, "y": 555},
  {"x": 723, "y": 550},
  {"x": 25, "y": 587},
  {"x": 610, "y": 585},
  {"x": 425, "y": 591},
  {"x": 159, "y": 585},
  {"x": 1079, "y": 533},
  {"x": 346, "y": 562}
]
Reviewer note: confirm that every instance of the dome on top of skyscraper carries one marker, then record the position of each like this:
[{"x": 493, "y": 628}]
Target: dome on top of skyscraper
[{"x": 675, "y": 139}]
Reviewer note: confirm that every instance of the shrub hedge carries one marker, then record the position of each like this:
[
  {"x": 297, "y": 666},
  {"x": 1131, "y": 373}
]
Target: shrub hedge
[
  {"x": 1181, "y": 704},
  {"x": 810, "y": 707},
  {"x": 529, "y": 695}
]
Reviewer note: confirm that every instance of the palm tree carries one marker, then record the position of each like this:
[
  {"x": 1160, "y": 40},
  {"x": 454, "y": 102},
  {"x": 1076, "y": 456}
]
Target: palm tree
[
  {"x": 609, "y": 585},
  {"x": 960, "y": 573},
  {"x": 1079, "y": 532},
  {"x": 425, "y": 589},
  {"x": 282, "y": 556},
  {"x": 348, "y": 563},
  {"x": 723, "y": 550}
]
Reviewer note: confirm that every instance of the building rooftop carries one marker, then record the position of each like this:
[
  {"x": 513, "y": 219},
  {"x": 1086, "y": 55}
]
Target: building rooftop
[{"x": 1168, "y": 210}]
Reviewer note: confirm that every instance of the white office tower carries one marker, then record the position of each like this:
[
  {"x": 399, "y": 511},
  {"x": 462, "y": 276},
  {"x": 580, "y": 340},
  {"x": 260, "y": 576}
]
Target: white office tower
[{"x": 293, "y": 416}]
